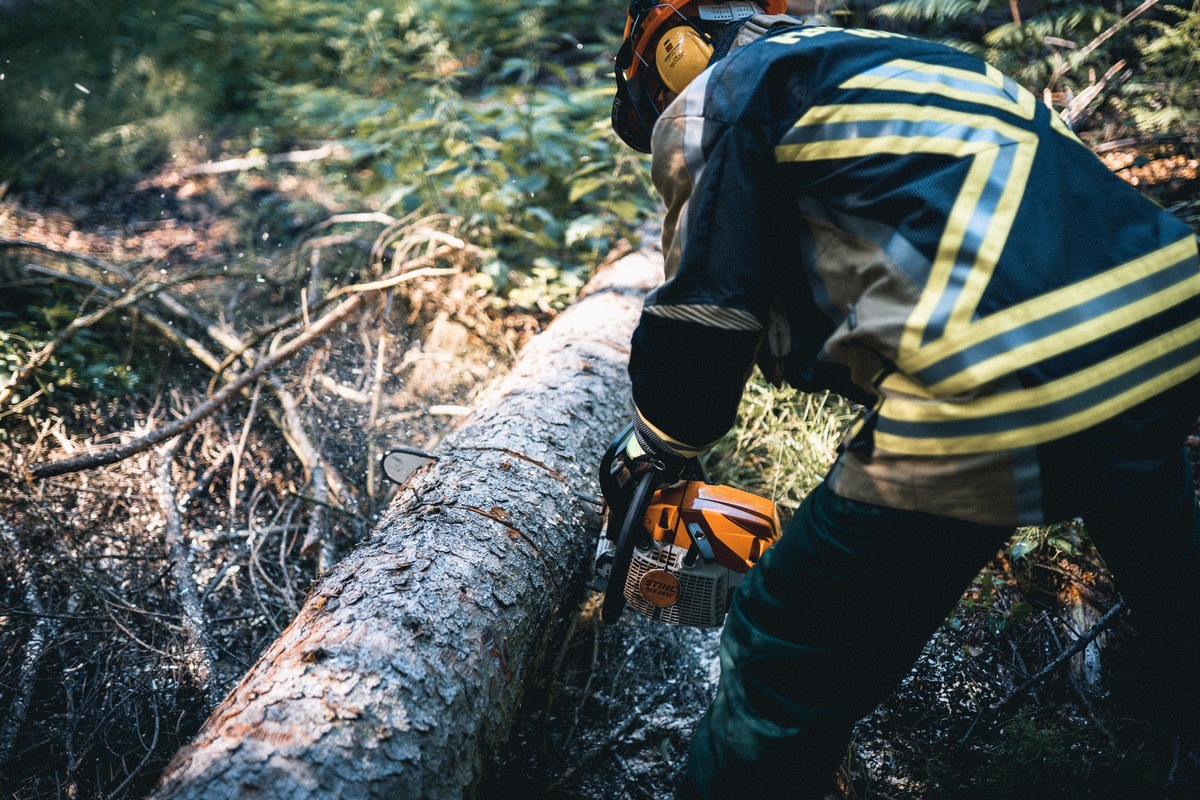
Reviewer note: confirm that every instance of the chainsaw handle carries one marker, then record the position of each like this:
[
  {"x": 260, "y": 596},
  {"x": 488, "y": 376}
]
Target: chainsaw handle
[{"x": 614, "y": 594}]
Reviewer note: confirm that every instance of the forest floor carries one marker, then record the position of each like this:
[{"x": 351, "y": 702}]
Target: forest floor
[{"x": 99, "y": 680}]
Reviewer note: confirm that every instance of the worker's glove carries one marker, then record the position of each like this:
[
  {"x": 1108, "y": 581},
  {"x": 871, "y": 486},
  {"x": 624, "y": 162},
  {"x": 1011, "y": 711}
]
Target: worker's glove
[{"x": 636, "y": 451}]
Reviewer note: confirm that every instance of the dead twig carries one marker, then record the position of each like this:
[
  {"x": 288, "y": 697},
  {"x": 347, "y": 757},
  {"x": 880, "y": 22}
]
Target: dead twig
[
  {"x": 15, "y": 382},
  {"x": 235, "y": 471},
  {"x": 164, "y": 328},
  {"x": 150, "y": 751},
  {"x": 103, "y": 266},
  {"x": 617, "y": 735},
  {"x": 373, "y": 414},
  {"x": 1080, "y": 107},
  {"x": 1104, "y": 623},
  {"x": 132, "y": 294},
  {"x": 35, "y": 647},
  {"x": 1136, "y": 141},
  {"x": 238, "y": 349},
  {"x": 1090, "y": 47},
  {"x": 357, "y": 296},
  {"x": 259, "y": 574},
  {"x": 256, "y": 161},
  {"x": 195, "y": 632},
  {"x": 316, "y": 542}
]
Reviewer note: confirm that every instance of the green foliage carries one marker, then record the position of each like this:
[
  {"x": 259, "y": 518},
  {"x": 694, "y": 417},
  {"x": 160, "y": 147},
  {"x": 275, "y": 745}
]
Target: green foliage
[
  {"x": 1049, "y": 47},
  {"x": 82, "y": 99},
  {"x": 1052, "y": 42},
  {"x": 496, "y": 115},
  {"x": 85, "y": 366},
  {"x": 930, "y": 15},
  {"x": 1049, "y": 542},
  {"x": 1164, "y": 97}
]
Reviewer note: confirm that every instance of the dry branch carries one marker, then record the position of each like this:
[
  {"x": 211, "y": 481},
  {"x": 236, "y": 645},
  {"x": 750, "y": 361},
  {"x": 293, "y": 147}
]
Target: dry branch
[
  {"x": 18, "y": 380},
  {"x": 133, "y": 293},
  {"x": 1091, "y": 46},
  {"x": 1141, "y": 141},
  {"x": 404, "y": 668},
  {"x": 1080, "y": 107},
  {"x": 95, "y": 263},
  {"x": 318, "y": 331},
  {"x": 35, "y": 647},
  {"x": 322, "y": 476},
  {"x": 257, "y": 161},
  {"x": 201, "y": 656},
  {"x": 1077, "y": 646},
  {"x": 197, "y": 349}
]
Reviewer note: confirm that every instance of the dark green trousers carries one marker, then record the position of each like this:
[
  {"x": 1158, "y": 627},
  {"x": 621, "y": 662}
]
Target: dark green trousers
[
  {"x": 832, "y": 618},
  {"x": 820, "y": 631}
]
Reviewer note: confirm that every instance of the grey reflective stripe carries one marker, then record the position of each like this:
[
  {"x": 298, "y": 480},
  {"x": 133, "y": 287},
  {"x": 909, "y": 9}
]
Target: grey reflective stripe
[
  {"x": 693, "y": 137},
  {"x": 899, "y": 250},
  {"x": 729, "y": 319},
  {"x": 1008, "y": 90},
  {"x": 1027, "y": 483},
  {"x": 693, "y": 140},
  {"x": 1045, "y": 329}
]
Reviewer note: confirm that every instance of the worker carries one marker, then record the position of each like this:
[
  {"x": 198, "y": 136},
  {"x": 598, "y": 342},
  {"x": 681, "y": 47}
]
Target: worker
[{"x": 898, "y": 222}]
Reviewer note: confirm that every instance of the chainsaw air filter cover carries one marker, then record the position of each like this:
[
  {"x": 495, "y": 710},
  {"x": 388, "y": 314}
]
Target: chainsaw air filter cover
[{"x": 702, "y": 540}]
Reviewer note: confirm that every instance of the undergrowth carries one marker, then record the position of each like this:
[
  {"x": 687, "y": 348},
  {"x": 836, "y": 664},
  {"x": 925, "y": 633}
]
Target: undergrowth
[{"x": 498, "y": 118}]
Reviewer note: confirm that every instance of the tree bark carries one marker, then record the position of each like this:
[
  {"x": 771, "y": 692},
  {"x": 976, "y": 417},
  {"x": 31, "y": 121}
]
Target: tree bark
[{"x": 401, "y": 673}]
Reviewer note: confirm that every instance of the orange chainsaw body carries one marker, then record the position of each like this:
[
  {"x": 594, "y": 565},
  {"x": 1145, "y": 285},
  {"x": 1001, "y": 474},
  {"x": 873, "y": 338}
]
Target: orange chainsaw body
[
  {"x": 703, "y": 539},
  {"x": 741, "y": 525}
]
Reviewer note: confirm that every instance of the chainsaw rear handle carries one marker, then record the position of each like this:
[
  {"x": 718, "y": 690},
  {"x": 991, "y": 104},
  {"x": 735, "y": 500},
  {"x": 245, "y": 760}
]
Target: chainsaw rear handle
[{"x": 614, "y": 594}]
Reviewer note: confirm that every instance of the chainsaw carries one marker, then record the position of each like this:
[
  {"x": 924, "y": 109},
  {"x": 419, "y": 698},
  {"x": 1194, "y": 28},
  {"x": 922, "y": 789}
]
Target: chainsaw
[{"x": 677, "y": 552}]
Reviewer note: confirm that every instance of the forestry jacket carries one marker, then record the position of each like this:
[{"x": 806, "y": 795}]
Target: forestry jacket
[{"x": 896, "y": 221}]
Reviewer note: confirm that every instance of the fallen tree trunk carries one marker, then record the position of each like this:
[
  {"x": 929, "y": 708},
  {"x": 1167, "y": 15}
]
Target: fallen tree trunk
[{"x": 402, "y": 671}]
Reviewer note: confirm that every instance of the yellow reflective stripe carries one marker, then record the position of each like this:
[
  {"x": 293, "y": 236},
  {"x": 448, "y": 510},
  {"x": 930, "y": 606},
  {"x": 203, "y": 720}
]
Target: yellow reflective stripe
[
  {"x": 892, "y": 145},
  {"x": 1068, "y": 339},
  {"x": 981, "y": 89},
  {"x": 1044, "y": 432},
  {"x": 892, "y": 112},
  {"x": 906, "y": 410},
  {"x": 685, "y": 450},
  {"x": 948, "y": 249},
  {"x": 985, "y": 151},
  {"x": 1055, "y": 302},
  {"x": 1003, "y": 217}
]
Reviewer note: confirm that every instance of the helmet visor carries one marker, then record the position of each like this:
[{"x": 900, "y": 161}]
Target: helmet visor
[
  {"x": 634, "y": 110},
  {"x": 641, "y": 95}
]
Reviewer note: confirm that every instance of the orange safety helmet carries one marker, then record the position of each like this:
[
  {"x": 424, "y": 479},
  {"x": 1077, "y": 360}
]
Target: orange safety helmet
[{"x": 667, "y": 44}]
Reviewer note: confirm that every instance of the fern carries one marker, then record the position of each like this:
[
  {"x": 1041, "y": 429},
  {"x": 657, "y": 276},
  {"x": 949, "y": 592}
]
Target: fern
[
  {"x": 1043, "y": 43},
  {"x": 929, "y": 12}
]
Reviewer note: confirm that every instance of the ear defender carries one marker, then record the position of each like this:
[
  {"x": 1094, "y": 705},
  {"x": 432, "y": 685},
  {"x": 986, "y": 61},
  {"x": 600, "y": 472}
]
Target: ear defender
[{"x": 681, "y": 55}]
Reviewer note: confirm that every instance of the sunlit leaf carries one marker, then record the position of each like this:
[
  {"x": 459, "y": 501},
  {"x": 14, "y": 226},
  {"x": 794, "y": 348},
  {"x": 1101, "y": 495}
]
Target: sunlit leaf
[{"x": 582, "y": 188}]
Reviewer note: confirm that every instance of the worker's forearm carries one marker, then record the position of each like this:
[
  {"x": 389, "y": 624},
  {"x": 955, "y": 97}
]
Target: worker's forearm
[{"x": 688, "y": 379}]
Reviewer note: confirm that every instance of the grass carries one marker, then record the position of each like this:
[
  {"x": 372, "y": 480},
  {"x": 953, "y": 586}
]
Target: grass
[{"x": 783, "y": 443}]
